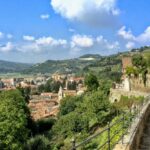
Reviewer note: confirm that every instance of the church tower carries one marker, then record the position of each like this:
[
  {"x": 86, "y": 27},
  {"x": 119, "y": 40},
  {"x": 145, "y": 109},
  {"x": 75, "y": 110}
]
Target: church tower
[{"x": 60, "y": 93}]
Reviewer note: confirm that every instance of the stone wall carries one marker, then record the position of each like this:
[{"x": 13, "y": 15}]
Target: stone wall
[
  {"x": 135, "y": 143},
  {"x": 115, "y": 94},
  {"x": 132, "y": 139},
  {"x": 137, "y": 83}
]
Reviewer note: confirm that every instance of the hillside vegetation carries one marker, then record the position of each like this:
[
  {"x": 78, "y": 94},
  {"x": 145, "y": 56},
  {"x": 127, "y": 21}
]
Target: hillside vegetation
[
  {"x": 11, "y": 67},
  {"x": 79, "y": 65},
  {"x": 102, "y": 65}
]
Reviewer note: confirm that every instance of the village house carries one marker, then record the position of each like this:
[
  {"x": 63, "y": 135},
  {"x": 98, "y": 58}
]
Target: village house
[
  {"x": 47, "y": 104},
  {"x": 44, "y": 105},
  {"x": 8, "y": 83},
  {"x": 58, "y": 77}
]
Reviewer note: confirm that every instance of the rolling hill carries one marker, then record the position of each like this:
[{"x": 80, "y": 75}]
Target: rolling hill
[
  {"x": 12, "y": 67},
  {"x": 79, "y": 65},
  {"x": 64, "y": 66},
  {"x": 88, "y": 62}
]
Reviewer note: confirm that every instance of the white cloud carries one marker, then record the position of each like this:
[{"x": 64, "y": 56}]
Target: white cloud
[
  {"x": 81, "y": 44},
  {"x": 1, "y": 35},
  {"x": 28, "y": 38},
  {"x": 28, "y": 47},
  {"x": 78, "y": 44},
  {"x": 132, "y": 40},
  {"x": 45, "y": 41},
  {"x": 9, "y": 36},
  {"x": 50, "y": 41},
  {"x": 53, "y": 48},
  {"x": 105, "y": 44},
  {"x": 130, "y": 45},
  {"x": 127, "y": 35},
  {"x": 72, "y": 30},
  {"x": 91, "y": 12},
  {"x": 82, "y": 41},
  {"x": 41, "y": 45},
  {"x": 4, "y": 35},
  {"x": 7, "y": 48},
  {"x": 144, "y": 37},
  {"x": 44, "y": 16}
]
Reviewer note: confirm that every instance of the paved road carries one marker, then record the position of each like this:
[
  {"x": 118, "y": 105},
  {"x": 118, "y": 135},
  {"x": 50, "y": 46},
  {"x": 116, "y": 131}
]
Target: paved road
[{"x": 145, "y": 140}]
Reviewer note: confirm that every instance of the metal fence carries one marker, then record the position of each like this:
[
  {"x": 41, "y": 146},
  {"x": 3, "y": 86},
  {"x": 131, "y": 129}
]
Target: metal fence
[{"x": 112, "y": 135}]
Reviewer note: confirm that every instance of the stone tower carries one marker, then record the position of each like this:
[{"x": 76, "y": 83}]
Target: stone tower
[
  {"x": 127, "y": 85},
  {"x": 60, "y": 93},
  {"x": 126, "y": 62}
]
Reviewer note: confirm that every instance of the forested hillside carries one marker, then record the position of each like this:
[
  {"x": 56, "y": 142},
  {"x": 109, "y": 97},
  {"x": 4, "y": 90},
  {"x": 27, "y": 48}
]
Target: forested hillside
[{"x": 11, "y": 67}]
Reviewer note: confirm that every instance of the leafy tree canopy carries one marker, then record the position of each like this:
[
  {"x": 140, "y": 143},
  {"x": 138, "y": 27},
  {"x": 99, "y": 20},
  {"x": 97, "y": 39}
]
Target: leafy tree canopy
[
  {"x": 13, "y": 120},
  {"x": 91, "y": 82}
]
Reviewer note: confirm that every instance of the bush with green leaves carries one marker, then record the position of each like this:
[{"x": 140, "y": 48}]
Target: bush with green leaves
[
  {"x": 13, "y": 120},
  {"x": 126, "y": 102},
  {"x": 141, "y": 65},
  {"x": 38, "y": 143},
  {"x": 71, "y": 124},
  {"x": 81, "y": 116},
  {"x": 50, "y": 86},
  {"x": 91, "y": 82},
  {"x": 69, "y": 104}
]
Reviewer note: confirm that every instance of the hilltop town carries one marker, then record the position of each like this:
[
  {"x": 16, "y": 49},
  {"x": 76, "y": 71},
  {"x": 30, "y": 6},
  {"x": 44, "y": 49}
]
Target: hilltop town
[{"x": 43, "y": 103}]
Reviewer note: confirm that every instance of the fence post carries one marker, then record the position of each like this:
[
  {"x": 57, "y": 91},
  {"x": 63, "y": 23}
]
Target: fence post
[
  {"x": 130, "y": 118},
  {"x": 123, "y": 123},
  {"x": 73, "y": 141},
  {"x": 109, "y": 146}
]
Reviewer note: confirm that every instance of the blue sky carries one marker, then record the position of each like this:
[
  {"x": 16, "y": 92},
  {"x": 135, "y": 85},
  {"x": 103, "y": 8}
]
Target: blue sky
[{"x": 36, "y": 30}]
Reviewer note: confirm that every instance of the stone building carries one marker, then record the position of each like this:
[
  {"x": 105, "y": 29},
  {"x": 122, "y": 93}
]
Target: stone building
[
  {"x": 137, "y": 83},
  {"x": 130, "y": 86},
  {"x": 44, "y": 105},
  {"x": 63, "y": 93}
]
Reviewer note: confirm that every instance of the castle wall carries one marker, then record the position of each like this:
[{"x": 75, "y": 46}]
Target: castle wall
[
  {"x": 137, "y": 83},
  {"x": 115, "y": 94}
]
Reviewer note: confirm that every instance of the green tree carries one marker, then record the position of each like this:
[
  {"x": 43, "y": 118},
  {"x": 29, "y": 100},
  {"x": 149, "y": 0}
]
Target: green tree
[
  {"x": 72, "y": 85},
  {"x": 13, "y": 120},
  {"x": 139, "y": 61},
  {"x": 47, "y": 86},
  {"x": 55, "y": 86},
  {"x": 69, "y": 104},
  {"x": 132, "y": 70},
  {"x": 91, "y": 82},
  {"x": 97, "y": 107},
  {"x": 38, "y": 143},
  {"x": 26, "y": 92},
  {"x": 148, "y": 60},
  {"x": 41, "y": 88},
  {"x": 70, "y": 124}
]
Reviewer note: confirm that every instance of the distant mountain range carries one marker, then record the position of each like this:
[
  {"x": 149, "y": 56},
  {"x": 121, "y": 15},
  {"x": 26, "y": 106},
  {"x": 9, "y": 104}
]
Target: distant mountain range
[
  {"x": 11, "y": 67},
  {"x": 92, "y": 62},
  {"x": 64, "y": 66}
]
